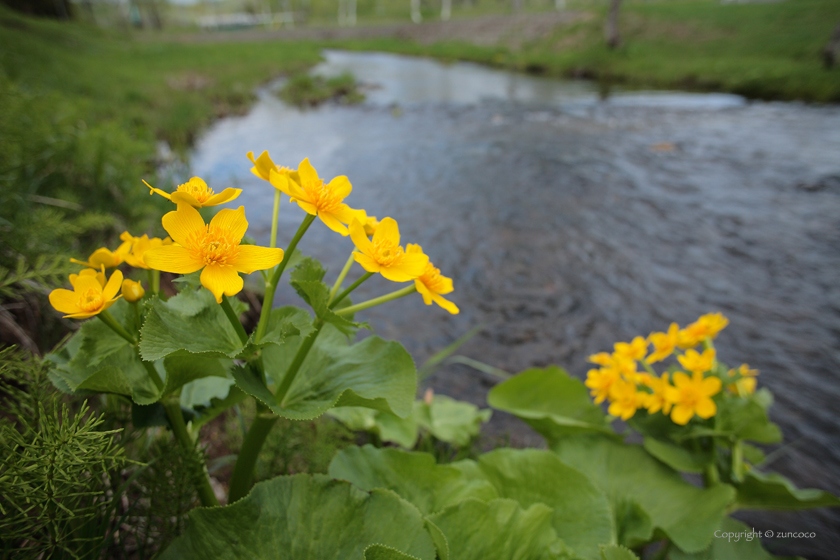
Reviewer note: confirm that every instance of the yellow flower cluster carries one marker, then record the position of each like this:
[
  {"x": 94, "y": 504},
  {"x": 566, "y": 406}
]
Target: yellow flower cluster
[{"x": 686, "y": 394}]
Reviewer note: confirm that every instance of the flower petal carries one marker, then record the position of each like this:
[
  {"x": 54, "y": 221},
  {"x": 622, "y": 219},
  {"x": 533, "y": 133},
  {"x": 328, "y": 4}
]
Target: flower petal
[
  {"x": 113, "y": 286},
  {"x": 446, "y": 304},
  {"x": 153, "y": 190},
  {"x": 706, "y": 408},
  {"x": 64, "y": 300},
  {"x": 231, "y": 220},
  {"x": 308, "y": 206},
  {"x": 388, "y": 230},
  {"x": 181, "y": 197},
  {"x": 424, "y": 291},
  {"x": 181, "y": 223},
  {"x": 225, "y": 196},
  {"x": 307, "y": 172},
  {"x": 221, "y": 280},
  {"x": 413, "y": 265},
  {"x": 253, "y": 258},
  {"x": 413, "y": 248},
  {"x": 360, "y": 240},
  {"x": 331, "y": 222},
  {"x": 681, "y": 414},
  {"x": 681, "y": 380},
  {"x": 262, "y": 165},
  {"x": 710, "y": 386},
  {"x": 172, "y": 258},
  {"x": 346, "y": 215},
  {"x": 340, "y": 186},
  {"x": 367, "y": 263}
]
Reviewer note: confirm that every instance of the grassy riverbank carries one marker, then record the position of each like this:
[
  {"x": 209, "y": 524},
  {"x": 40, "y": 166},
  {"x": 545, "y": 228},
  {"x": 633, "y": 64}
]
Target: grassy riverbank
[{"x": 760, "y": 50}]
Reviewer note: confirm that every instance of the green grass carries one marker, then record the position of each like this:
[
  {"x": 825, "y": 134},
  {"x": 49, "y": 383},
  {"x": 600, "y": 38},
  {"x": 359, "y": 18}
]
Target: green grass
[
  {"x": 760, "y": 50},
  {"x": 304, "y": 90}
]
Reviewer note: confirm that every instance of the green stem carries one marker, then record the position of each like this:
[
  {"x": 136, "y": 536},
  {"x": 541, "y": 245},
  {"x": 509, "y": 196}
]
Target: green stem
[
  {"x": 271, "y": 286},
  {"x": 342, "y": 276},
  {"x": 711, "y": 475},
  {"x": 738, "y": 461},
  {"x": 243, "y": 471},
  {"x": 109, "y": 320},
  {"x": 150, "y": 369},
  {"x": 377, "y": 301},
  {"x": 179, "y": 430},
  {"x": 138, "y": 323},
  {"x": 277, "y": 193},
  {"x": 234, "y": 320},
  {"x": 294, "y": 367},
  {"x": 352, "y": 287},
  {"x": 151, "y": 278},
  {"x": 647, "y": 367}
]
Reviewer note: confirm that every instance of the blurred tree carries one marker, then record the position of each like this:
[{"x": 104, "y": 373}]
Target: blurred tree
[
  {"x": 832, "y": 48},
  {"x": 611, "y": 28},
  {"x": 44, "y": 8}
]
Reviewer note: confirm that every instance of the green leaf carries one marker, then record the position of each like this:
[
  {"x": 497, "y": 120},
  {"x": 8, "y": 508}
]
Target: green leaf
[
  {"x": 582, "y": 515},
  {"x": 677, "y": 457},
  {"x": 627, "y": 473},
  {"x": 733, "y": 541},
  {"x": 306, "y": 279},
  {"x": 413, "y": 476},
  {"x": 449, "y": 420},
  {"x": 190, "y": 321},
  {"x": 441, "y": 544},
  {"x": 202, "y": 392},
  {"x": 218, "y": 406},
  {"x": 382, "y": 552},
  {"x": 182, "y": 367},
  {"x": 498, "y": 530},
  {"x": 550, "y": 401},
  {"x": 150, "y": 415},
  {"x": 304, "y": 517},
  {"x": 373, "y": 373},
  {"x": 773, "y": 491},
  {"x": 389, "y": 427},
  {"x": 747, "y": 419},
  {"x": 617, "y": 552}
]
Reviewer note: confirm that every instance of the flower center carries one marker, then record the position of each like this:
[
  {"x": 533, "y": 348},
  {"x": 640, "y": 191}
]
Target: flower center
[
  {"x": 689, "y": 396},
  {"x": 199, "y": 191},
  {"x": 387, "y": 253},
  {"x": 321, "y": 195},
  {"x": 213, "y": 245},
  {"x": 431, "y": 278},
  {"x": 91, "y": 300}
]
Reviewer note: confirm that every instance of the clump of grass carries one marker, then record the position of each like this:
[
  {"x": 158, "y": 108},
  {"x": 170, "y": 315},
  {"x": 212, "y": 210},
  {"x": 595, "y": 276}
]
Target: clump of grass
[{"x": 304, "y": 90}]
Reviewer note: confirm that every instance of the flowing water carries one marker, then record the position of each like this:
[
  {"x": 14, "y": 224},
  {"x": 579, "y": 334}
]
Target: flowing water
[{"x": 569, "y": 222}]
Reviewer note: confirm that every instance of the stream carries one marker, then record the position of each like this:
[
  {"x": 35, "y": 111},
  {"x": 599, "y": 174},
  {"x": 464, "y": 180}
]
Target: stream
[{"x": 569, "y": 222}]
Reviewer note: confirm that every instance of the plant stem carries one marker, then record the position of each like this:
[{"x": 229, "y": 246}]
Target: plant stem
[
  {"x": 711, "y": 475},
  {"x": 277, "y": 193},
  {"x": 738, "y": 461},
  {"x": 271, "y": 285},
  {"x": 377, "y": 301},
  {"x": 151, "y": 278},
  {"x": 243, "y": 471},
  {"x": 109, "y": 320},
  {"x": 179, "y": 430},
  {"x": 352, "y": 287},
  {"x": 153, "y": 374},
  {"x": 294, "y": 367},
  {"x": 138, "y": 323},
  {"x": 647, "y": 367},
  {"x": 342, "y": 276},
  {"x": 234, "y": 320}
]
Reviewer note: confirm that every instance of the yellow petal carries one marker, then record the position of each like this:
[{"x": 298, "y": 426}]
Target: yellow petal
[
  {"x": 221, "y": 280},
  {"x": 412, "y": 265},
  {"x": 367, "y": 263},
  {"x": 181, "y": 223},
  {"x": 706, "y": 408},
  {"x": 681, "y": 379},
  {"x": 341, "y": 186},
  {"x": 231, "y": 220},
  {"x": 153, "y": 190},
  {"x": 172, "y": 258},
  {"x": 308, "y": 206},
  {"x": 64, "y": 300},
  {"x": 681, "y": 414},
  {"x": 113, "y": 286},
  {"x": 307, "y": 172},
  {"x": 413, "y": 248},
  {"x": 346, "y": 215},
  {"x": 262, "y": 165},
  {"x": 181, "y": 197},
  {"x": 253, "y": 258},
  {"x": 446, "y": 304},
  {"x": 225, "y": 196},
  {"x": 387, "y": 231},
  {"x": 85, "y": 283},
  {"x": 360, "y": 240},
  {"x": 331, "y": 222},
  {"x": 424, "y": 291},
  {"x": 396, "y": 274},
  {"x": 711, "y": 386}
]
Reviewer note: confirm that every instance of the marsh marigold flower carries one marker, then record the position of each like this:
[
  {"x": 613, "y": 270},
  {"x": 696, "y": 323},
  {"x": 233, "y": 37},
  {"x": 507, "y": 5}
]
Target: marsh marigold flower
[
  {"x": 132, "y": 291},
  {"x": 103, "y": 257},
  {"x": 599, "y": 382},
  {"x": 657, "y": 399},
  {"x": 634, "y": 350},
  {"x": 431, "y": 284},
  {"x": 383, "y": 253},
  {"x": 663, "y": 343},
  {"x": 197, "y": 194},
  {"x": 99, "y": 275},
  {"x": 625, "y": 399},
  {"x": 746, "y": 385},
  {"x": 263, "y": 166},
  {"x": 707, "y": 326},
  {"x": 137, "y": 256},
  {"x": 214, "y": 247},
  {"x": 696, "y": 362},
  {"x": 88, "y": 297},
  {"x": 692, "y": 396},
  {"x": 318, "y": 198}
]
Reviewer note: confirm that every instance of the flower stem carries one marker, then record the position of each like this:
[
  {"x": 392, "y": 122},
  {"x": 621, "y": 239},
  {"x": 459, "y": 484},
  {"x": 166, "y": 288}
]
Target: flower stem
[
  {"x": 271, "y": 285},
  {"x": 277, "y": 193},
  {"x": 153, "y": 374},
  {"x": 377, "y": 301},
  {"x": 352, "y": 287},
  {"x": 342, "y": 276},
  {"x": 294, "y": 367},
  {"x": 109, "y": 320},
  {"x": 179, "y": 430},
  {"x": 234, "y": 320},
  {"x": 138, "y": 322},
  {"x": 711, "y": 476},
  {"x": 243, "y": 471},
  {"x": 738, "y": 461},
  {"x": 647, "y": 367}
]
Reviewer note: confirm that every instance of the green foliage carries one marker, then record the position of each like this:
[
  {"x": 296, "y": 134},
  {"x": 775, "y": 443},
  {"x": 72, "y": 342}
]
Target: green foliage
[
  {"x": 302, "y": 516},
  {"x": 305, "y": 90},
  {"x": 773, "y": 491},
  {"x": 307, "y": 280},
  {"x": 743, "y": 544}
]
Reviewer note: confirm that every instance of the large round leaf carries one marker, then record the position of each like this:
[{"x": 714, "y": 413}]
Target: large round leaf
[{"x": 304, "y": 517}]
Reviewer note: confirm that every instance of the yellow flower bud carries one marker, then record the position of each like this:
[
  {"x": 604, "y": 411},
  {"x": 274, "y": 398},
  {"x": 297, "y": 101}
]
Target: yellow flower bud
[{"x": 132, "y": 291}]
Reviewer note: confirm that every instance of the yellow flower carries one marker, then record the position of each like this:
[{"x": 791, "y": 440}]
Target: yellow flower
[
  {"x": 698, "y": 363},
  {"x": 371, "y": 223},
  {"x": 663, "y": 343},
  {"x": 103, "y": 257},
  {"x": 197, "y": 194},
  {"x": 707, "y": 326},
  {"x": 601, "y": 358},
  {"x": 626, "y": 399},
  {"x": 263, "y": 166},
  {"x": 431, "y": 284},
  {"x": 634, "y": 350},
  {"x": 317, "y": 198},
  {"x": 746, "y": 385},
  {"x": 88, "y": 296},
  {"x": 141, "y": 246},
  {"x": 132, "y": 291},
  {"x": 99, "y": 275},
  {"x": 599, "y": 382},
  {"x": 657, "y": 400},
  {"x": 214, "y": 247},
  {"x": 383, "y": 253},
  {"x": 692, "y": 395}
]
